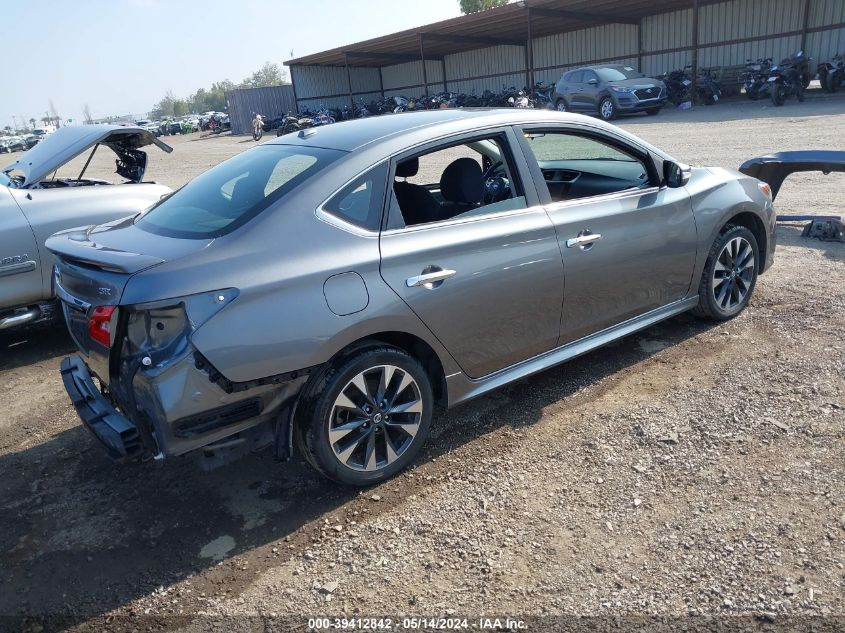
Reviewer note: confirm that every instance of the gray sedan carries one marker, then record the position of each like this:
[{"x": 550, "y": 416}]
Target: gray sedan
[{"x": 329, "y": 288}]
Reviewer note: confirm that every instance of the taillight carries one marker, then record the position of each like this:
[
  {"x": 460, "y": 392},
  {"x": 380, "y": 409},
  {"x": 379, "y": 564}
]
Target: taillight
[{"x": 99, "y": 324}]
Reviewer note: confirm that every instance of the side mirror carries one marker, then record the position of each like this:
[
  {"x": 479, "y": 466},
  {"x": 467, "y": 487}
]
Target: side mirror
[
  {"x": 676, "y": 175},
  {"x": 593, "y": 81}
]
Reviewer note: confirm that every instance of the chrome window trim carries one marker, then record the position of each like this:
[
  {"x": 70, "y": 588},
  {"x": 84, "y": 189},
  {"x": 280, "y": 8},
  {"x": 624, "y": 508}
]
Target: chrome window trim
[
  {"x": 344, "y": 225},
  {"x": 616, "y": 195},
  {"x": 459, "y": 220}
]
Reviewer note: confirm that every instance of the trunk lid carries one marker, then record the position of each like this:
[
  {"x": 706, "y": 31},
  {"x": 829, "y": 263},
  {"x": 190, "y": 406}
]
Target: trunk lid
[{"x": 93, "y": 266}]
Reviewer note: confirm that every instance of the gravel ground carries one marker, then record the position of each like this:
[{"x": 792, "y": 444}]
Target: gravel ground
[{"x": 690, "y": 469}]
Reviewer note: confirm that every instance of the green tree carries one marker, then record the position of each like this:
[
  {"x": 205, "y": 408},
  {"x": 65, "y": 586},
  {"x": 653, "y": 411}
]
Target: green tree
[
  {"x": 474, "y": 6},
  {"x": 180, "y": 107},
  {"x": 164, "y": 108},
  {"x": 269, "y": 74}
]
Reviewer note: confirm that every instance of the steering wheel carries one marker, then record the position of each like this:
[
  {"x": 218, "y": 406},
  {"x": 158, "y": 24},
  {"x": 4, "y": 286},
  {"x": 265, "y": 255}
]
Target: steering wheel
[{"x": 495, "y": 187}]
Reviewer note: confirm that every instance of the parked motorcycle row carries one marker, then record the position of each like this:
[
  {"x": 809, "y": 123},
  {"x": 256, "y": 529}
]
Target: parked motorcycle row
[
  {"x": 539, "y": 97},
  {"x": 679, "y": 85},
  {"x": 790, "y": 78}
]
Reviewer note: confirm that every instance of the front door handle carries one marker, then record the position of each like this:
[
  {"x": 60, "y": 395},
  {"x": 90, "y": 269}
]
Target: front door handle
[
  {"x": 583, "y": 240},
  {"x": 430, "y": 277}
]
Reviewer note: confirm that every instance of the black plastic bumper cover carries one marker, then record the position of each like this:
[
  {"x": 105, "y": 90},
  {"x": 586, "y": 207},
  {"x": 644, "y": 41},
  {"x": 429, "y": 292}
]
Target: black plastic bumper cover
[{"x": 117, "y": 433}]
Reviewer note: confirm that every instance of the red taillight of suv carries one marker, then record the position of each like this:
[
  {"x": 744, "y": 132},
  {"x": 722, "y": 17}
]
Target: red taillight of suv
[{"x": 99, "y": 324}]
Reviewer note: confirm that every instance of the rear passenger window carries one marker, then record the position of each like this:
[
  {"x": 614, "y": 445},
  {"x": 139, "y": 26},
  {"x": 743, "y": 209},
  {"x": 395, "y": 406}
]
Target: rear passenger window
[
  {"x": 361, "y": 201},
  {"x": 575, "y": 77}
]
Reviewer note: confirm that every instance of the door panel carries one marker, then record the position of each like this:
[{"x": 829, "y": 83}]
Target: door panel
[
  {"x": 625, "y": 252},
  {"x": 590, "y": 91},
  {"x": 643, "y": 259},
  {"x": 20, "y": 269},
  {"x": 502, "y": 303}
]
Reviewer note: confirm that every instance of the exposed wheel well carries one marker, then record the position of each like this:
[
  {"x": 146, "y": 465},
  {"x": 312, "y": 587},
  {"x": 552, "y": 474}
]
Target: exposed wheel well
[
  {"x": 417, "y": 348},
  {"x": 755, "y": 225}
]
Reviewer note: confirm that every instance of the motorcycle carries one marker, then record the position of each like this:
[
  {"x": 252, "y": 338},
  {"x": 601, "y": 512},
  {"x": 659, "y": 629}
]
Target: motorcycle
[
  {"x": 708, "y": 90},
  {"x": 801, "y": 63},
  {"x": 755, "y": 78},
  {"x": 677, "y": 85},
  {"x": 257, "y": 127},
  {"x": 218, "y": 123},
  {"x": 832, "y": 73},
  {"x": 293, "y": 123},
  {"x": 785, "y": 81}
]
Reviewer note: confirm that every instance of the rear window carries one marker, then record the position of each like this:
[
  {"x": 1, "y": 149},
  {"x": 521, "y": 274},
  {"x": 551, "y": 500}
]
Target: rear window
[{"x": 229, "y": 195}]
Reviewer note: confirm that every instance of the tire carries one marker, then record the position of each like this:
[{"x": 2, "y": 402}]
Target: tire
[
  {"x": 824, "y": 81},
  {"x": 607, "y": 109},
  {"x": 366, "y": 458},
  {"x": 653, "y": 111},
  {"x": 560, "y": 105},
  {"x": 799, "y": 93},
  {"x": 720, "y": 292},
  {"x": 806, "y": 78},
  {"x": 833, "y": 82},
  {"x": 257, "y": 134},
  {"x": 778, "y": 95}
]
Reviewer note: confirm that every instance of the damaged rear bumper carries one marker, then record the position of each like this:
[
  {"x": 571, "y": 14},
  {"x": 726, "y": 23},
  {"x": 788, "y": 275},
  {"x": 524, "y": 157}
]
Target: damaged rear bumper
[
  {"x": 178, "y": 407},
  {"x": 120, "y": 436}
]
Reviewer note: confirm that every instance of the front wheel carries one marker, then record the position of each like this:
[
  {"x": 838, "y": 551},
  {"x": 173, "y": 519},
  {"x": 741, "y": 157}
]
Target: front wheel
[
  {"x": 366, "y": 417},
  {"x": 730, "y": 274},
  {"x": 778, "y": 95},
  {"x": 257, "y": 134},
  {"x": 560, "y": 105},
  {"x": 607, "y": 109},
  {"x": 799, "y": 92}
]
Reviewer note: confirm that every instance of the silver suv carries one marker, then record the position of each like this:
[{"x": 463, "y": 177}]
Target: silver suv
[{"x": 328, "y": 288}]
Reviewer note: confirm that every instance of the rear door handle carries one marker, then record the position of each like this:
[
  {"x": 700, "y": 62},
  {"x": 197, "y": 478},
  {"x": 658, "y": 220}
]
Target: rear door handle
[
  {"x": 429, "y": 278},
  {"x": 583, "y": 240}
]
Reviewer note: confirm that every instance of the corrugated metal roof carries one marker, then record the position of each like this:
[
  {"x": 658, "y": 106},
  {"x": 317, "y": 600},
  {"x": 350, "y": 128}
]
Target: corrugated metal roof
[{"x": 503, "y": 25}]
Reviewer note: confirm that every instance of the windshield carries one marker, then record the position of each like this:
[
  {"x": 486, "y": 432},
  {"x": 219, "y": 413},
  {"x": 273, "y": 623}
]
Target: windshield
[
  {"x": 229, "y": 195},
  {"x": 618, "y": 73}
]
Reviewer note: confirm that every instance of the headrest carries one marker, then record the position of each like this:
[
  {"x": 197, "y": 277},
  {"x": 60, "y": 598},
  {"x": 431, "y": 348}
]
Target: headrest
[
  {"x": 408, "y": 168},
  {"x": 462, "y": 182}
]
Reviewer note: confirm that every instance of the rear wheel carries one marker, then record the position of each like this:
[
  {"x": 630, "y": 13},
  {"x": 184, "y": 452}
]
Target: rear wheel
[
  {"x": 560, "y": 105},
  {"x": 607, "y": 109},
  {"x": 730, "y": 274},
  {"x": 799, "y": 92},
  {"x": 778, "y": 94},
  {"x": 367, "y": 416}
]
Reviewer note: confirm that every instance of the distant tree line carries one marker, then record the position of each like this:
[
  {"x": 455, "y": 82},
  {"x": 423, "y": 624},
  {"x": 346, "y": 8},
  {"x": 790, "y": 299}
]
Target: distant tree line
[{"x": 215, "y": 97}]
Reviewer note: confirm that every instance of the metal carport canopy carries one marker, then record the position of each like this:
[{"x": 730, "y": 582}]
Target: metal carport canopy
[{"x": 508, "y": 24}]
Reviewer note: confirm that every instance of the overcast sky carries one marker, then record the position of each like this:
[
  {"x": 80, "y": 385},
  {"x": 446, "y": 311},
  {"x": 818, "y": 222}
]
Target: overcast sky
[{"x": 121, "y": 56}]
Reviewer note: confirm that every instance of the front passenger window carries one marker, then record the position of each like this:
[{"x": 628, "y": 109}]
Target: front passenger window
[{"x": 575, "y": 166}]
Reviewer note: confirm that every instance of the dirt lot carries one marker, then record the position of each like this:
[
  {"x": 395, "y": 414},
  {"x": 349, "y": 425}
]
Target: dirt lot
[{"x": 690, "y": 469}]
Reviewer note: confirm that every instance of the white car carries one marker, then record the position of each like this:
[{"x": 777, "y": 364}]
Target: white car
[{"x": 34, "y": 205}]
